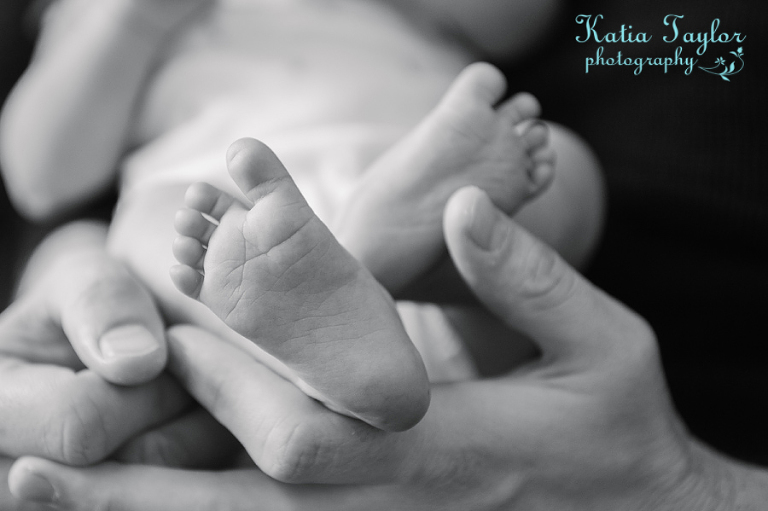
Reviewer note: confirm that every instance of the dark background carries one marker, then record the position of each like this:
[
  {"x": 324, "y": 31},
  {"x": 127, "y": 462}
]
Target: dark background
[
  {"x": 14, "y": 52},
  {"x": 686, "y": 243}
]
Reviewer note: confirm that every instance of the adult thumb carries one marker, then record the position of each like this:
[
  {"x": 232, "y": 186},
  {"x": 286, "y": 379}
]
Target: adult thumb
[
  {"x": 111, "y": 320},
  {"x": 529, "y": 287}
]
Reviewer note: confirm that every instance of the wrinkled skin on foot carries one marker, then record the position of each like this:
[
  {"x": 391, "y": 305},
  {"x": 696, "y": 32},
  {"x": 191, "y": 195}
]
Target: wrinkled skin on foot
[{"x": 274, "y": 273}]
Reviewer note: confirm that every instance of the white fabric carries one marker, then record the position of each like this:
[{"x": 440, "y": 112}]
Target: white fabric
[{"x": 328, "y": 84}]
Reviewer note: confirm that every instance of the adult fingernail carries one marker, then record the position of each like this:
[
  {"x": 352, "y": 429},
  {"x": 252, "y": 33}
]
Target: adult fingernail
[
  {"x": 127, "y": 341},
  {"x": 36, "y": 488},
  {"x": 482, "y": 221}
]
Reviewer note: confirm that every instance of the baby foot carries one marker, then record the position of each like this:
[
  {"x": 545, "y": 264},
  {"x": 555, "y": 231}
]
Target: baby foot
[
  {"x": 396, "y": 214},
  {"x": 275, "y": 274}
]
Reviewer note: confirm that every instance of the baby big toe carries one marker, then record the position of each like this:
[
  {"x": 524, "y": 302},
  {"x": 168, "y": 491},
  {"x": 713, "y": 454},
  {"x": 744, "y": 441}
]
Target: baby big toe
[
  {"x": 254, "y": 167},
  {"x": 480, "y": 81}
]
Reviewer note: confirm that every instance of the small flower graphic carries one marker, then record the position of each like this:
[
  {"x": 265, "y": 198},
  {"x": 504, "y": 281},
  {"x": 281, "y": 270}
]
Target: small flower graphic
[{"x": 727, "y": 70}]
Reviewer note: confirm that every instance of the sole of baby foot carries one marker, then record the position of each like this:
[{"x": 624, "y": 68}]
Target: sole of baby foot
[
  {"x": 393, "y": 224},
  {"x": 273, "y": 272}
]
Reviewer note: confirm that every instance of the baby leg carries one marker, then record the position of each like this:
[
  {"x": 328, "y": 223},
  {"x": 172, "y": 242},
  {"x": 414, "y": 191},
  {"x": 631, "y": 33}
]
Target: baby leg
[
  {"x": 396, "y": 214},
  {"x": 274, "y": 273}
]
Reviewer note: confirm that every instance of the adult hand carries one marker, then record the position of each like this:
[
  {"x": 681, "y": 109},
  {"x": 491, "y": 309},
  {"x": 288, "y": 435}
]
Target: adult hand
[
  {"x": 588, "y": 425},
  {"x": 81, "y": 308}
]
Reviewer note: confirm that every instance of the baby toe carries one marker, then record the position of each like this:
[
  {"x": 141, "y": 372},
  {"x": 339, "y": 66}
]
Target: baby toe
[
  {"x": 189, "y": 251},
  {"x": 478, "y": 81},
  {"x": 535, "y": 136},
  {"x": 191, "y": 223},
  {"x": 187, "y": 280},
  {"x": 521, "y": 107},
  {"x": 542, "y": 171},
  {"x": 208, "y": 200}
]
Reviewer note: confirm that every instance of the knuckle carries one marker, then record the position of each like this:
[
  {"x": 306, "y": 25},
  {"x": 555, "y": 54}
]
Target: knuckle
[
  {"x": 79, "y": 438},
  {"x": 544, "y": 278},
  {"x": 104, "y": 286},
  {"x": 294, "y": 453},
  {"x": 114, "y": 287}
]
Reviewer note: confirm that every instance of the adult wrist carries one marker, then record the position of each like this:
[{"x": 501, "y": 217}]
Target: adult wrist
[
  {"x": 715, "y": 482},
  {"x": 719, "y": 483},
  {"x": 705, "y": 485}
]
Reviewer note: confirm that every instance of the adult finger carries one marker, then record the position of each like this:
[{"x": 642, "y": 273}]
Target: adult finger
[
  {"x": 93, "y": 302},
  {"x": 295, "y": 439},
  {"x": 77, "y": 418},
  {"x": 110, "y": 319},
  {"x": 461, "y": 463},
  {"x": 143, "y": 488},
  {"x": 109, "y": 325},
  {"x": 7, "y": 501},
  {"x": 527, "y": 285},
  {"x": 290, "y": 436},
  {"x": 29, "y": 332}
]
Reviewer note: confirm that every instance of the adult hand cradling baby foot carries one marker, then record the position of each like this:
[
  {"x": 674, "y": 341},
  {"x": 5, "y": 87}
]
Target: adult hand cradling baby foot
[
  {"x": 589, "y": 425},
  {"x": 86, "y": 340},
  {"x": 78, "y": 307}
]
